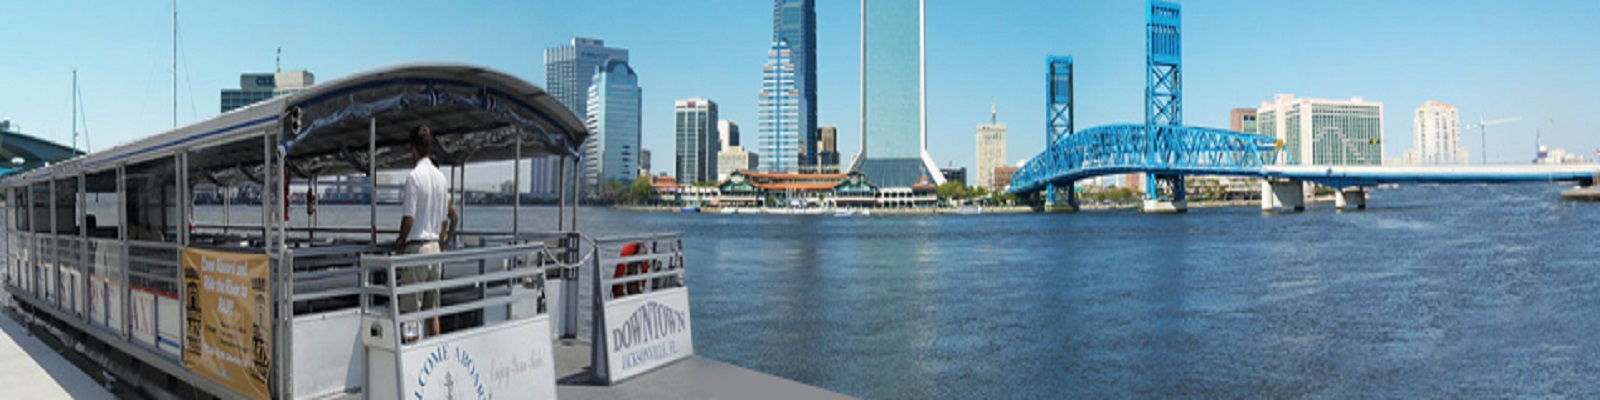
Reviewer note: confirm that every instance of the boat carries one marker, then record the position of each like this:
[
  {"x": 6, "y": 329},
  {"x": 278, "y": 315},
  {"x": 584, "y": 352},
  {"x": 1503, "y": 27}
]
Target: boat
[
  {"x": 689, "y": 210},
  {"x": 843, "y": 212},
  {"x": 969, "y": 210},
  {"x": 171, "y": 301},
  {"x": 729, "y": 210}
]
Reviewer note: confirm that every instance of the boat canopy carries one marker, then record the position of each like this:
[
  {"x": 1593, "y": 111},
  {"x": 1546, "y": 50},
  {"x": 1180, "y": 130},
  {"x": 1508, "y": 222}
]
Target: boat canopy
[{"x": 476, "y": 115}]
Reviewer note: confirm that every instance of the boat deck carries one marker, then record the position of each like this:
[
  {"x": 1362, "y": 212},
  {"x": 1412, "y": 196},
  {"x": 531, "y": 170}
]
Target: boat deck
[{"x": 693, "y": 378}]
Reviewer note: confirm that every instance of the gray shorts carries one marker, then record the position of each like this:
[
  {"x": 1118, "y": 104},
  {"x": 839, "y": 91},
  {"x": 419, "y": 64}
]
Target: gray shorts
[{"x": 426, "y": 300}]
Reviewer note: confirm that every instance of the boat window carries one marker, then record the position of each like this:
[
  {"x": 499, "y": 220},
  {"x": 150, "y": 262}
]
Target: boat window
[
  {"x": 225, "y": 202},
  {"x": 39, "y": 203},
  {"x": 66, "y": 199},
  {"x": 152, "y": 201},
  {"x": 100, "y": 202},
  {"x": 19, "y": 201}
]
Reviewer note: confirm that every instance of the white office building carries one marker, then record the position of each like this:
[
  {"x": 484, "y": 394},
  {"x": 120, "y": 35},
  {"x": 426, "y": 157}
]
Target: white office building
[
  {"x": 991, "y": 152},
  {"x": 1324, "y": 131},
  {"x": 1436, "y": 136}
]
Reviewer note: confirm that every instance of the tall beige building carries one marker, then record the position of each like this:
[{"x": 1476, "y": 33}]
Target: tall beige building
[
  {"x": 1436, "y": 135},
  {"x": 735, "y": 158},
  {"x": 991, "y": 151}
]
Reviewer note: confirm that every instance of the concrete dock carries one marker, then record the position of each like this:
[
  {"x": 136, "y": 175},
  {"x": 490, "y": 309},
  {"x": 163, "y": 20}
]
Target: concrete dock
[
  {"x": 693, "y": 378},
  {"x": 31, "y": 369}
]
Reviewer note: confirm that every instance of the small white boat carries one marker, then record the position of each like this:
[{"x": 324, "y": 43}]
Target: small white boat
[
  {"x": 969, "y": 210},
  {"x": 843, "y": 212},
  {"x": 729, "y": 210}
]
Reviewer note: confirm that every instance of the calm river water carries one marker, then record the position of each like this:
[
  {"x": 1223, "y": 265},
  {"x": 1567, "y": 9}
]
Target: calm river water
[{"x": 1453, "y": 291}]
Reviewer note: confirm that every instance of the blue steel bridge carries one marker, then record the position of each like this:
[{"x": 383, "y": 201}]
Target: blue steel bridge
[
  {"x": 1182, "y": 150},
  {"x": 1166, "y": 150}
]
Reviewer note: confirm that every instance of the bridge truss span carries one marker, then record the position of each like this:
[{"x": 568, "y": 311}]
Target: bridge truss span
[{"x": 1162, "y": 149}]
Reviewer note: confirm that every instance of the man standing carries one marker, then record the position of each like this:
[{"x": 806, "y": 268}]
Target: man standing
[{"x": 424, "y": 205}]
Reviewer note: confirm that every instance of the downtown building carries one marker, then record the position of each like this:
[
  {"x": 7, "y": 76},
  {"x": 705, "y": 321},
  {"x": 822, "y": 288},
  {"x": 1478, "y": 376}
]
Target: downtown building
[
  {"x": 727, "y": 133},
  {"x": 795, "y": 22},
  {"x": 1323, "y": 131},
  {"x": 778, "y": 114},
  {"x": 828, "y": 150},
  {"x": 894, "y": 129},
  {"x": 990, "y": 152},
  {"x": 568, "y": 72},
  {"x": 253, "y": 88},
  {"x": 1243, "y": 120},
  {"x": 698, "y": 140},
  {"x": 732, "y": 157},
  {"x": 612, "y": 152},
  {"x": 1436, "y": 136}
]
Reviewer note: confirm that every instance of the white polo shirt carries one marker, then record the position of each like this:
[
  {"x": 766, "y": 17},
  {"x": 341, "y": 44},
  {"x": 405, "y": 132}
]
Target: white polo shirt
[{"x": 424, "y": 199}]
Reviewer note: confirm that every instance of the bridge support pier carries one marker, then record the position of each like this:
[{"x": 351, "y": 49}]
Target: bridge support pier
[
  {"x": 1350, "y": 198},
  {"x": 1052, "y": 205},
  {"x": 1175, "y": 202},
  {"x": 1285, "y": 194}
]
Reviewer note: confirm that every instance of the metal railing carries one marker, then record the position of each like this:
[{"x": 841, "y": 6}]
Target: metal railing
[
  {"x": 656, "y": 264},
  {"x": 503, "y": 267}
]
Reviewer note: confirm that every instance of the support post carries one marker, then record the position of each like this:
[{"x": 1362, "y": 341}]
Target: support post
[
  {"x": 1068, "y": 201},
  {"x": 516, "y": 188},
  {"x": 122, "y": 237},
  {"x": 1350, "y": 198},
  {"x": 1282, "y": 194},
  {"x": 1156, "y": 203},
  {"x": 372, "y": 177}
]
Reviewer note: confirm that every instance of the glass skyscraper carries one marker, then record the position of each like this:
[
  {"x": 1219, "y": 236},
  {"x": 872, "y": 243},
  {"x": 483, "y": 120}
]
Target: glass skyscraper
[
  {"x": 698, "y": 142},
  {"x": 612, "y": 151},
  {"x": 778, "y": 113},
  {"x": 795, "y": 22},
  {"x": 568, "y": 72},
  {"x": 893, "y": 95}
]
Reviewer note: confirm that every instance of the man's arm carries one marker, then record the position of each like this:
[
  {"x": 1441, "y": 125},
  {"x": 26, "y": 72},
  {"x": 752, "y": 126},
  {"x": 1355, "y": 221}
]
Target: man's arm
[
  {"x": 405, "y": 230},
  {"x": 451, "y": 220}
]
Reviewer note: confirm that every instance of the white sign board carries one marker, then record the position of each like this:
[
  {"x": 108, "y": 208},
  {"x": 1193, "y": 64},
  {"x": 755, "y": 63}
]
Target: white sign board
[
  {"x": 510, "y": 360},
  {"x": 647, "y": 331},
  {"x": 143, "y": 316}
]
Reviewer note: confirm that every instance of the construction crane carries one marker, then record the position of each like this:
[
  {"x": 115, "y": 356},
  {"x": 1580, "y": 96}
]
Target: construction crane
[{"x": 1483, "y": 133}]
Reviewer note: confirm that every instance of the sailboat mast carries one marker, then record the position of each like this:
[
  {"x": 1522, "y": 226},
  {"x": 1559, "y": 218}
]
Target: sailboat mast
[
  {"x": 74, "y": 108},
  {"x": 174, "y": 63}
]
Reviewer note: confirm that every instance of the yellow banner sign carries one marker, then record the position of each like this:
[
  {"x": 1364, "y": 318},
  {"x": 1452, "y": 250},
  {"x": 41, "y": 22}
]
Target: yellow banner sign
[{"x": 228, "y": 319}]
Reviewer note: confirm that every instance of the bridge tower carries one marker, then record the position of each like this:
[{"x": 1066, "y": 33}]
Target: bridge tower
[
  {"x": 1058, "y": 121},
  {"x": 1163, "y": 97}
]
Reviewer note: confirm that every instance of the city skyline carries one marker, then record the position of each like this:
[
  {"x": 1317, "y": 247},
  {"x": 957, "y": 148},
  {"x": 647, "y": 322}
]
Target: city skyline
[{"x": 1491, "y": 61}]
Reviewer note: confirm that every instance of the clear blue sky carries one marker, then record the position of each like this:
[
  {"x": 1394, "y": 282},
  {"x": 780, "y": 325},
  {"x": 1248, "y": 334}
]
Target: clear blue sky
[{"x": 1491, "y": 59}]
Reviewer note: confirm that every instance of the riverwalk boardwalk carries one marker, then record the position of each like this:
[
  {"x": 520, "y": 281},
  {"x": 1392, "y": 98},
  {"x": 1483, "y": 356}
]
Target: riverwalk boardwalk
[{"x": 30, "y": 369}]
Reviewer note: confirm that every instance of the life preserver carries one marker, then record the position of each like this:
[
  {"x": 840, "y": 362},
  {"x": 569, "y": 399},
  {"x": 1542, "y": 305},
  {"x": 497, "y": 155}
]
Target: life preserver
[{"x": 633, "y": 268}]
